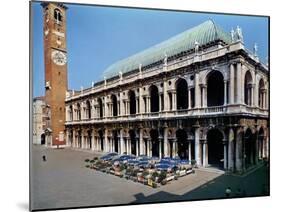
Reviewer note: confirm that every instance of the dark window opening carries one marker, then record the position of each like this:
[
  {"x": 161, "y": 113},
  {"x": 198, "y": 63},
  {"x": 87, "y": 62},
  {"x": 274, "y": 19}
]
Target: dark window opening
[
  {"x": 182, "y": 94},
  {"x": 132, "y": 98},
  {"x": 154, "y": 99},
  {"x": 215, "y": 89}
]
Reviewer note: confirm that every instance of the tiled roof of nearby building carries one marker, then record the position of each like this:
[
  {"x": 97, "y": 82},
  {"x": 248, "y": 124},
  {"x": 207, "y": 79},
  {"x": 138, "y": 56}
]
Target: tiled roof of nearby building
[{"x": 204, "y": 33}]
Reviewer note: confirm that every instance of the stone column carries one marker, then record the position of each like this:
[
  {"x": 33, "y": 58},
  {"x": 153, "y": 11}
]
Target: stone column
[
  {"x": 73, "y": 138},
  {"x": 189, "y": 151},
  {"x": 174, "y": 97},
  {"x": 205, "y": 153},
  {"x": 231, "y": 84},
  {"x": 93, "y": 141},
  {"x": 137, "y": 104},
  {"x": 148, "y": 104},
  {"x": 160, "y": 147},
  {"x": 122, "y": 146},
  {"x": 137, "y": 146},
  {"x": 141, "y": 102},
  {"x": 106, "y": 145},
  {"x": 189, "y": 97},
  {"x": 166, "y": 150},
  {"x": 197, "y": 91},
  {"x": 174, "y": 148},
  {"x": 82, "y": 140},
  {"x": 165, "y": 96},
  {"x": 252, "y": 94},
  {"x": 197, "y": 146},
  {"x": 230, "y": 150},
  {"x": 128, "y": 107},
  {"x": 225, "y": 92},
  {"x": 264, "y": 99},
  {"x": 238, "y": 152},
  {"x": 149, "y": 147},
  {"x": 204, "y": 99},
  {"x": 160, "y": 102},
  {"x": 238, "y": 82},
  {"x": 224, "y": 154},
  {"x": 67, "y": 137}
]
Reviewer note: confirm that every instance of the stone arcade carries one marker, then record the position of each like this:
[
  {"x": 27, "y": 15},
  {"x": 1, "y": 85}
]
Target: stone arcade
[{"x": 200, "y": 95}]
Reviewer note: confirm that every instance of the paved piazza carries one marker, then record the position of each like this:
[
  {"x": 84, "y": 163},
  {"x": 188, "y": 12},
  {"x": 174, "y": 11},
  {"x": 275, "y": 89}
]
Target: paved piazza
[{"x": 63, "y": 181}]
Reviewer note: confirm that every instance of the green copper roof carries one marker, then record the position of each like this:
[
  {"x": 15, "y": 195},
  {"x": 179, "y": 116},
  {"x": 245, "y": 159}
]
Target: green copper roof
[{"x": 203, "y": 33}]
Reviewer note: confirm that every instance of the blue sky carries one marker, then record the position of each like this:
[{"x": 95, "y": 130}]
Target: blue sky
[{"x": 100, "y": 36}]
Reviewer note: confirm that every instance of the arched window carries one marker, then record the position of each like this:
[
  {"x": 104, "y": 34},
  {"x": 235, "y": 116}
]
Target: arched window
[
  {"x": 88, "y": 109},
  {"x": 261, "y": 94},
  {"x": 182, "y": 94},
  {"x": 248, "y": 88},
  {"x": 114, "y": 105},
  {"x": 154, "y": 99},
  {"x": 215, "y": 89},
  {"x": 57, "y": 15},
  {"x": 100, "y": 107},
  {"x": 132, "y": 98}
]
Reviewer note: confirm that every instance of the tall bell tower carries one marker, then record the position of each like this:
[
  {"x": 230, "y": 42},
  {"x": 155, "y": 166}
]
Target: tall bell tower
[{"x": 55, "y": 55}]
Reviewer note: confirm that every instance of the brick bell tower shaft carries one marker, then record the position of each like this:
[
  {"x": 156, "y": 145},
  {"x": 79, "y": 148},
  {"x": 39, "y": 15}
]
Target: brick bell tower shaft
[{"x": 55, "y": 58}]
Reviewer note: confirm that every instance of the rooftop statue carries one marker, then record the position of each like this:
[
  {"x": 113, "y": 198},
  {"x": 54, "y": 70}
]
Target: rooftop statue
[
  {"x": 255, "y": 49},
  {"x": 196, "y": 49},
  {"x": 239, "y": 34}
]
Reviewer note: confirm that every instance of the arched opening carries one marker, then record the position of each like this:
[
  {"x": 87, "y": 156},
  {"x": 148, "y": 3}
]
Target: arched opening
[
  {"x": 100, "y": 107},
  {"x": 215, "y": 148},
  {"x": 260, "y": 143},
  {"x": 249, "y": 148},
  {"x": 57, "y": 15},
  {"x": 248, "y": 88},
  {"x": 115, "y": 140},
  {"x": 132, "y": 99},
  {"x": 101, "y": 139},
  {"x": 155, "y": 142},
  {"x": 261, "y": 93},
  {"x": 88, "y": 109},
  {"x": 70, "y": 113},
  {"x": 78, "y": 111},
  {"x": 215, "y": 89},
  {"x": 154, "y": 99},
  {"x": 182, "y": 144},
  {"x": 133, "y": 142},
  {"x": 89, "y": 139},
  {"x": 182, "y": 94},
  {"x": 43, "y": 139},
  {"x": 114, "y": 105}
]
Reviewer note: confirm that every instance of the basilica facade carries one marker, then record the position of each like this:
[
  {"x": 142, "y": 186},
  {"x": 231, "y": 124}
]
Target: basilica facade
[{"x": 200, "y": 95}]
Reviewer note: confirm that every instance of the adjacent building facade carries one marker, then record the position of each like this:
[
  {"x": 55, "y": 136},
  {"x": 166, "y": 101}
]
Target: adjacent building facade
[
  {"x": 200, "y": 95},
  {"x": 39, "y": 120}
]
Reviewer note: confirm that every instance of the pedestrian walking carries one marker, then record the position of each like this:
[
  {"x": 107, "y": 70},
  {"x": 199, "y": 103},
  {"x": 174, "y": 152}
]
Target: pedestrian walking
[{"x": 44, "y": 158}]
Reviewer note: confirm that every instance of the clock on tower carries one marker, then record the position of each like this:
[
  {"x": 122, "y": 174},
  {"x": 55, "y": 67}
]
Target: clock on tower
[{"x": 55, "y": 55}]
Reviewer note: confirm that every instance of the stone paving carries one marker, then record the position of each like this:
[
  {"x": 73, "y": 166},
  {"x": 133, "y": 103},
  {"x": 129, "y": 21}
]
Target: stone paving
[{"x": 63, "y": 181}]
